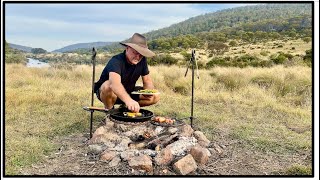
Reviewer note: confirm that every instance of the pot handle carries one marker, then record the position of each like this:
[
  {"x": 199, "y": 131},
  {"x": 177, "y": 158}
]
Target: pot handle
[{"x": 90, "y": 108}]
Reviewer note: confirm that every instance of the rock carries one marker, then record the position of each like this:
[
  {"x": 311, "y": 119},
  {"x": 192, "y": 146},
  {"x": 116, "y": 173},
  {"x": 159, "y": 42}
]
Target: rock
[
  {"x": 115, "y": 161},
  {"x": 172, "y": 130},
  {"x": 165, "y": 157},
  {"x": 202, "y": 139},
  {"x": 103, "y": 138},
  {"x": 122, "y": 127},
  {"x": 107, "y": 155},
  {"x": 185, "y": 165},
  {"x": 126, "y": 155},
  {"x": 179, "y": 148},
  {"x": 123, "y": 145},
  {"x": 158, "y": 130},
  {"x": 199, "y": 154},
  {"x": 142, "y": 162},
  {"x": 109, "y": 125},
  {"x": 109, "y": 144},
  {"x": 149, "y": 152},
  {"x": 208, "y": 152},
  {"x": 186, "y": 130},
  {"x": 95, "y": 149},
  {"x": 99, "y": 131},
  {"x": 97, "y": 139}
]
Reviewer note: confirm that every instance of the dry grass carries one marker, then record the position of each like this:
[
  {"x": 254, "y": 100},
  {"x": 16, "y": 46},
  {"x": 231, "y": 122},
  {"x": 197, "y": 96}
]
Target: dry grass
[
  {"x": 262, "y": 50},
  {"x": 267, "y": 109}
]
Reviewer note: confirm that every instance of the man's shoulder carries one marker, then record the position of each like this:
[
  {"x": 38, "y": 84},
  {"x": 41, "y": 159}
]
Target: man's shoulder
[{"x": 117, "y": 58}]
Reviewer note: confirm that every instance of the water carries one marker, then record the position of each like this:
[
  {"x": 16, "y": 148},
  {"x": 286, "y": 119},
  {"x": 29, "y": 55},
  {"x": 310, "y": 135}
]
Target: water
[{"x": 36, "y": 63}]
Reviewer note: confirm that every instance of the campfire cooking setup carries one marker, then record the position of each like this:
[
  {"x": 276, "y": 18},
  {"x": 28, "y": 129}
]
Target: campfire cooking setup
[{"x": 145, "y": 141}]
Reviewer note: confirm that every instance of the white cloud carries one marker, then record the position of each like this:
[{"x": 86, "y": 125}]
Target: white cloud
[{"x": 51, "y": 25}]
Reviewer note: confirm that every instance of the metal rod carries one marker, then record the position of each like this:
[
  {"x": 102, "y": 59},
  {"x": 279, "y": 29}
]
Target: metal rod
[
  {"x": 193, "y": 63},
  {"x": 192, "y": 95},
  {"x": 94, "y": 53}
]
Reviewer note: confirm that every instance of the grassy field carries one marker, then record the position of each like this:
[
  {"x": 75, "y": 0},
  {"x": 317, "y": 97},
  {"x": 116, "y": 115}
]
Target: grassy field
[
  {"x": 267, "y": 109},
  {"x": 261, "y": 50}
]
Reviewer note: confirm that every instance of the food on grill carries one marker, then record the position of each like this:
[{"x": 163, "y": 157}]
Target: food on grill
[
  {"x": 132, "y": 114},
  {"x": 160, "y": 119},
  {"x": 148, "y": 91}
]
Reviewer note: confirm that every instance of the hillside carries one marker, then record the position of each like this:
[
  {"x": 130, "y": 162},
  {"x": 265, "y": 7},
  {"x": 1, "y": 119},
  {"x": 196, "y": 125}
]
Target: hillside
[
  {"x": 248, "y": 23},
  {"x": 20, "y": 47},
  {"x": 270, "y": 17},
  {"x": 82, "y": 46}
]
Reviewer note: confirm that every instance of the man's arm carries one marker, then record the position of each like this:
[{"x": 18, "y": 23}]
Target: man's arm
[
  {"x": 120, "y": 92},
  {"x": 147, "y": 82}
]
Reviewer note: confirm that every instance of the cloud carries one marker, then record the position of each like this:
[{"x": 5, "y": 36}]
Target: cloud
[{"x": 58, "y": 23}]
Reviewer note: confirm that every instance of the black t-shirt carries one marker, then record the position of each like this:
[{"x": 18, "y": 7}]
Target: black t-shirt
[{"x": 129, "y": 73}]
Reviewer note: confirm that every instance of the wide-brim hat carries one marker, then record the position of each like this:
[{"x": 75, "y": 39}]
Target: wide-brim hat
[{"x": 139, "y": 43}]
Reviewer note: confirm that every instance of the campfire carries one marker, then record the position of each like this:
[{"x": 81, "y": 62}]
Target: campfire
[
  {"x": 146, "y": 142},
  {"x": 146, "y": 146}
]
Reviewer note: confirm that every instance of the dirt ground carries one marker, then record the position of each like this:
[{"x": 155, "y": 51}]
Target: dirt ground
[{"x": 234, "y": 158}]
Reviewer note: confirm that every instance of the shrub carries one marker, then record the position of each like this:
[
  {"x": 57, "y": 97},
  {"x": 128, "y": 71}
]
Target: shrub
[
  {"x": 278, "y": 58},
  {"x": 233, "y": 43},
  {"x": 264, "y": 53},
  {"x": 162, "y": 59},
  {"x": 307, "y": 39},
  {"x": 15, "y": 58},
  {"x": 308, "y": 57},
  {"x": 218, "y": 61}
]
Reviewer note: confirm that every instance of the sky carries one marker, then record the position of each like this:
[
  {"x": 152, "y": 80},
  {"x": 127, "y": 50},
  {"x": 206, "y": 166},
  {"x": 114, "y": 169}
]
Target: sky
[{"x": 55, "y": 25}]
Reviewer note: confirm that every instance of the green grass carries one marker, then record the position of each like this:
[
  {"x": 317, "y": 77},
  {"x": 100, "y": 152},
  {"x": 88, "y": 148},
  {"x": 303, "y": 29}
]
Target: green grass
[
  {"x": 298, "y": 170},
  {"x": 230, "y": 103}
]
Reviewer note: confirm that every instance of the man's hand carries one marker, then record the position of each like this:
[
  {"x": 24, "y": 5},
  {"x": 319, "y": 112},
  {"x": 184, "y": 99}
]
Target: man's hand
[
  {"x": 146, "y": 96},
  {"x": 133, "y": 105}
]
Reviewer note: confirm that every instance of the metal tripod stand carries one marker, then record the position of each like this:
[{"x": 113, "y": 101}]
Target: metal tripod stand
[{"x": 194, "y": 65}]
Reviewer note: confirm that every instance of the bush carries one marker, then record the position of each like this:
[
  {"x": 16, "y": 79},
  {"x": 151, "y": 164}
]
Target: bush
[
  {"x": 264, "y": 53},
  {"x": 233, "y": 43},
  {"x": 15, "y": 58},
  {"x": 307, "y": 39},
  {"x": 162, "y": 59},
  {"x": 278, "y": 58},
  {"x": 218, "y": 61}
]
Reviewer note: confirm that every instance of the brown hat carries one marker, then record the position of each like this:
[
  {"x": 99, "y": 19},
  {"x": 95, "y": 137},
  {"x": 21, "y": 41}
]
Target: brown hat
[{"x": 139, "y": 43}]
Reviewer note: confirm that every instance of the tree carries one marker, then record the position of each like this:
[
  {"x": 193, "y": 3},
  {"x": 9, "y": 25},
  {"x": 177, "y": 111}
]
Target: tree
[
  {"x": 13, "y": 56},
  {"x": 38, "y": 51},
  {"x": 7, "y": 47}
]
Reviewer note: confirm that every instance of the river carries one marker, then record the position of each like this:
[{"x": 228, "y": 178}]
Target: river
[{"x": 36, "y": 63}]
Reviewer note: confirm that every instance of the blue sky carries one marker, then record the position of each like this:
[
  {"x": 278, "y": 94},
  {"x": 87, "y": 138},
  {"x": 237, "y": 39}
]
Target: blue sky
[{"x": 53, "y": 26}]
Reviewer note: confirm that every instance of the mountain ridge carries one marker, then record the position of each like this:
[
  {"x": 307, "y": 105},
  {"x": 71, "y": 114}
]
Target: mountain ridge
[
  {"x": 20, "y": 47},
  {"x": 82, "y": 46}
]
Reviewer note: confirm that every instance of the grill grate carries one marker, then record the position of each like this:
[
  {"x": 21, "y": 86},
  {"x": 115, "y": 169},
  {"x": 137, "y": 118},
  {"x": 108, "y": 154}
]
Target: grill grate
[{"x": 127, "y": 122}]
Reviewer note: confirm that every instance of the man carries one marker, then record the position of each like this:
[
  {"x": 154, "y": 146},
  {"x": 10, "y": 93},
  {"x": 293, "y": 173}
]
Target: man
[{"x": 121, "y": 73}]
